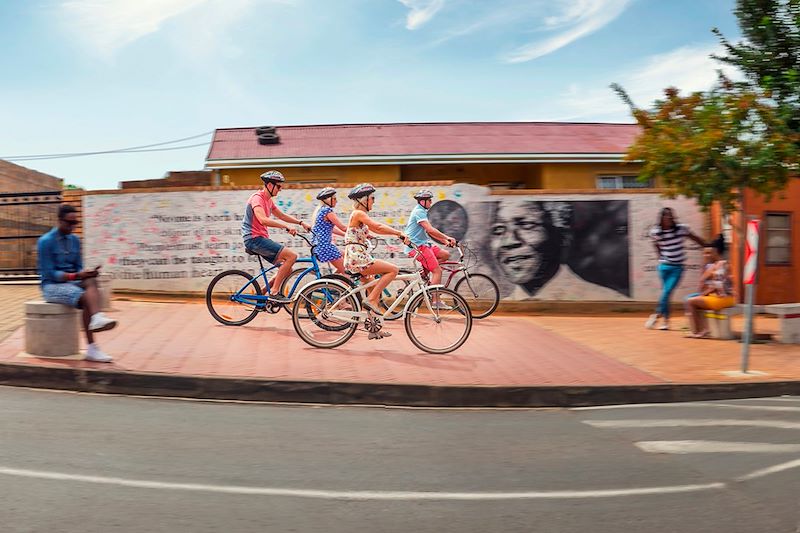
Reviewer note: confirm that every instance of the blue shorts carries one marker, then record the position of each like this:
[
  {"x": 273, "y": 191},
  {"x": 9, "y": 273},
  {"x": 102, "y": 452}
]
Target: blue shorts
[
  {"x": 67, "y": 293},
  {"x": 266, "y": 248}
]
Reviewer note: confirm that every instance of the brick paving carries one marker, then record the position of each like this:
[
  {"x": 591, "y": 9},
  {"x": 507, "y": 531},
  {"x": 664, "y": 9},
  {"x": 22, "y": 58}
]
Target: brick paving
[
  {"x": 183, "y": 339},
  {"x": 12, "y": 308}
]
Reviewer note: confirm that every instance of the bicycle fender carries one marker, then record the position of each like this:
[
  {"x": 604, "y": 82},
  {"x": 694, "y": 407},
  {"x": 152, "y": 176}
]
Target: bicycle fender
[{"x": 425, "y": 288}]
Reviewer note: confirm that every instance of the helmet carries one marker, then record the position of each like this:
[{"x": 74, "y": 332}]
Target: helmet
[
  {"x": 423, "y": 194},
  {"x": 360, "y": 191},
  {"x": 272, "y": 176},
  {"x": 327, "y": 192}
]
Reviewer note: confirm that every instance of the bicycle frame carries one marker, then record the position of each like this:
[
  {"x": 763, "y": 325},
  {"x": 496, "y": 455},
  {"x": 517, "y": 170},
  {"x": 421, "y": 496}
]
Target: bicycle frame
[
  {"x": 260, "y": 300},
  {"x": 416, "y": 286}
]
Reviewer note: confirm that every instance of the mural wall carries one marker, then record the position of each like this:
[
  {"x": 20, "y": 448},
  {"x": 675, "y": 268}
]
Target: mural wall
[{"x": 566, "y": 247}]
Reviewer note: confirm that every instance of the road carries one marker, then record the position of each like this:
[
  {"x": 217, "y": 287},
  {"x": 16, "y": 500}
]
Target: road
[{"x": 92, "y": 463}]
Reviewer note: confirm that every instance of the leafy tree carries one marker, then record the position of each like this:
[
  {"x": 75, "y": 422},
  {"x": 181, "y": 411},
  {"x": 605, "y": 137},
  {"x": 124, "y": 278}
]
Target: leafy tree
[
  {"x": 713, "y": 145},
  {"x": 769, "y": 55}
]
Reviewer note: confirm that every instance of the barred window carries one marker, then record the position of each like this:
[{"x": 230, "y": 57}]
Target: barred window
[
  {"x": 622, "y": 182},
  {"x": 779, "y": 238}
]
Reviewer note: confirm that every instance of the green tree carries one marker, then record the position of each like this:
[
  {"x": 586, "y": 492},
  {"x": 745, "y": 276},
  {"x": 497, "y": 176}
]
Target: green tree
[
  {"x": 769, "y": 54},
  {"x": 711, "y": 146}
]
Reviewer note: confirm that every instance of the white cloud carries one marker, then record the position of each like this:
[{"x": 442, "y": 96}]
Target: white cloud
[
  {"x": 689, "y": 68},
  {"x": 576, "y": 19},
  {"x": 421, "y": 11},
  {"x": 108, "y": 25}
]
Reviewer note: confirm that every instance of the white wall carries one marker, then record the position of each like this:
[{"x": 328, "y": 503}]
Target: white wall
[{"x": 565, "y": 247}]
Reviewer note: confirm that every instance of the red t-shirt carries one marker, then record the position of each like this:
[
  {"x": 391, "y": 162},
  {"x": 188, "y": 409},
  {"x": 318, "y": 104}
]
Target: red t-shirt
[{"x": 251, "y": 226}]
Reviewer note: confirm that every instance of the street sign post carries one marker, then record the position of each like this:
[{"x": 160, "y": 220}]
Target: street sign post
[{"x": 749, "y": 272}]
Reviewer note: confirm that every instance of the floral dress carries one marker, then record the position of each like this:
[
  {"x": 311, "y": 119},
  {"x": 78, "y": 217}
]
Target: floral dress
[
  {"x": 323, "y": 233},
  {"x": 356, "y": 256}
]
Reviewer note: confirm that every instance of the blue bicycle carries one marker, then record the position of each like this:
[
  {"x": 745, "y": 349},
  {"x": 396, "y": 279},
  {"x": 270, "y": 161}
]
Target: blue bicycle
[{"x": 235, "y": 297}]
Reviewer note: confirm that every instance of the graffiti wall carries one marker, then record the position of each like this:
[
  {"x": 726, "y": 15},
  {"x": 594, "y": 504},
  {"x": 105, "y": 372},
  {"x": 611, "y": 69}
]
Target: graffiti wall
[{"x": 570, "y": 247}]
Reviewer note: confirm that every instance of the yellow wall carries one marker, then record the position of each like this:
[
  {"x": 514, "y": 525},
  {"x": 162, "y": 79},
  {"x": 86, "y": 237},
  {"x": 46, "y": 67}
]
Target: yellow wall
[
  {"x": 344, "y": 174},
  {"x": 479, "y": 173},
  {"x": 582, "y": 175},
  {"x": 531, "y": 176}
]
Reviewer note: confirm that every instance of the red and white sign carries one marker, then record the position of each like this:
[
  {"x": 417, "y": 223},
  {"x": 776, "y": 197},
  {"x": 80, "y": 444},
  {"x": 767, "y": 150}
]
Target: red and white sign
[{"x": 751, "y": 252}]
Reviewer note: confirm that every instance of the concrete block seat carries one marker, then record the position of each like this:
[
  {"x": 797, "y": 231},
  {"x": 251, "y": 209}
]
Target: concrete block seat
[
  {"x": 719, "y": 322},
  {"x": 51, "y": 330},
  {"x": 789, "y": 315}
]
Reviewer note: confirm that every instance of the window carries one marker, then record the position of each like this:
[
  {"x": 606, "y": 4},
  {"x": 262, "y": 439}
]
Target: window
[
  {"x": 779, "y": 238},
  {"x": 622, "y": 182}
]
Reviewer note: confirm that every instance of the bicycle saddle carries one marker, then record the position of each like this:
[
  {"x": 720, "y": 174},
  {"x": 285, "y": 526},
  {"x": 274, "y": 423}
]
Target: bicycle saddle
[{"x": 250, "y": 252}]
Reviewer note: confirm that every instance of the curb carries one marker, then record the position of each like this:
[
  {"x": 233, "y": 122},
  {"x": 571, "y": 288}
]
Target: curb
[{"x": 344, "y": 393}]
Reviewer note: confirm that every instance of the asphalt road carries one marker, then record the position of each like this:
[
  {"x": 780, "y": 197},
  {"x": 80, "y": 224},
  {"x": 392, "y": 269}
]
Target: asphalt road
[{"x": 91, "y": 463}]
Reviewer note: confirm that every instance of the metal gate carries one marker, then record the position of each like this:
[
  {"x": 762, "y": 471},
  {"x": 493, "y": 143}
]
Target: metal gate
[{"x": 24, "y": 217}]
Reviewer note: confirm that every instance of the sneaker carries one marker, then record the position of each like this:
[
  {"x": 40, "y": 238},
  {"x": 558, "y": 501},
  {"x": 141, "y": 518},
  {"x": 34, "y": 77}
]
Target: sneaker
[
  {"x": 663, "y": 327},
  {"x": 441, "y": 306},
  {"x": 651, "y": 322},
  {"x": 101, "y": 322},
  {"x": 280, "y": 299},
  {"x": 98, "y": 356}
]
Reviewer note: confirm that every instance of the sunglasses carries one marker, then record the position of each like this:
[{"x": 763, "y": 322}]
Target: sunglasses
[{"x": 72, "y": 222}]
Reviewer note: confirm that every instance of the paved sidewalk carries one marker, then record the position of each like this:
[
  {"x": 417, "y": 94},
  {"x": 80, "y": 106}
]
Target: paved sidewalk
[
  {"x": 12, "y": 308},
  {"x": 517, "y": 353}
]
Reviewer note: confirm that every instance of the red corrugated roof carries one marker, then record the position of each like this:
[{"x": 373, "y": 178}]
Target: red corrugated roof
[{"x": 354, "y": 140}]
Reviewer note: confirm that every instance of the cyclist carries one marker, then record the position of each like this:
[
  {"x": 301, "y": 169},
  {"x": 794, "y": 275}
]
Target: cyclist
[
  {"x": 257, "y": 218},
  {"x": 420, "y": 231},
  {"x": 356, "y": 254},
  {"x": 326, "y": 223}
]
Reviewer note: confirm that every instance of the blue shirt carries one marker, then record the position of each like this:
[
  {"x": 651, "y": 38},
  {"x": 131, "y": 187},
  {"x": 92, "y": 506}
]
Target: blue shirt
[
  {"x": 414, "y": 230},
  {"x": 57, "y": 254}
]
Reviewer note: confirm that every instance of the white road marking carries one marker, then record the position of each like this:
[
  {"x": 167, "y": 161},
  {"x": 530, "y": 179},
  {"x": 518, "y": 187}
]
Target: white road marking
[
  {"x": 771, "y": 470},
  {"x": 776, "y": 408},
  {"x": 359, "y": 494},
  {"x": 783, "y": 408},
  {"x": 690, "y": 422},
  {"x": 711, "y": 446}
]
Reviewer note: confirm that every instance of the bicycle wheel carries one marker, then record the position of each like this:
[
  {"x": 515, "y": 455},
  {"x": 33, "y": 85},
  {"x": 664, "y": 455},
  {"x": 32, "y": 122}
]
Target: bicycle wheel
[
  {"x": 390, "y": 294},
  {"x": 288, "y": 283},
  {"x": 220, "y": 298},
  {"x": 481, "y": 293},
  {"x": 311, "y": 319},
  {"x": 438, "y": 329}
]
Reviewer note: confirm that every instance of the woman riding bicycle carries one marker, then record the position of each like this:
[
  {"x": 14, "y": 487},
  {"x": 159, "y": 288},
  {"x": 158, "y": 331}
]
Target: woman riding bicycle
[
  {"x": 326, "y": 223},
  {"x": 356, "y": 252}
]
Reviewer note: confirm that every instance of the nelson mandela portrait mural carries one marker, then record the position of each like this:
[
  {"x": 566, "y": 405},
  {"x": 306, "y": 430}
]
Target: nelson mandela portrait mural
[{"x": 534, "y": 246}]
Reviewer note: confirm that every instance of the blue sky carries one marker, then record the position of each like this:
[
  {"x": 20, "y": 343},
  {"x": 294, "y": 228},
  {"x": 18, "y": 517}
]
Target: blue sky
[{"x": 93, "y": 75}]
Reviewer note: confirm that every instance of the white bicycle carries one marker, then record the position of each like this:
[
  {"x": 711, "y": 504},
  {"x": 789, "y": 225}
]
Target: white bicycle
[{"x": 327, "y": 313}]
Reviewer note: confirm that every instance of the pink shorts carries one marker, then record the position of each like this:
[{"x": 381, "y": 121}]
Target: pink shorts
[{"x": 427, "y": 256}]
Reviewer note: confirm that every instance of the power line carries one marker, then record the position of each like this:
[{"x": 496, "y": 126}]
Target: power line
[{"x": 132, "y": 149}]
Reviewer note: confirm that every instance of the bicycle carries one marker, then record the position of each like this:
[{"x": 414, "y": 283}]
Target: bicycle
[
  {"x": 235, "y": 297},
  {"x": 479, "y": 290},
  {"x": 327, "y": 313}
]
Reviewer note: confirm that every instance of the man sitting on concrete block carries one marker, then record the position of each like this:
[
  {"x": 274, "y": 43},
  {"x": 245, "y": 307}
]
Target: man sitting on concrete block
[{"x": 64, "y": 281}]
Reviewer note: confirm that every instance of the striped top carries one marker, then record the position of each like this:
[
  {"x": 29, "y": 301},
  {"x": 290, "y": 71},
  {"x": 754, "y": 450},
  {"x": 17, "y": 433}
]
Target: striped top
[{"x": 670, "y": 243}]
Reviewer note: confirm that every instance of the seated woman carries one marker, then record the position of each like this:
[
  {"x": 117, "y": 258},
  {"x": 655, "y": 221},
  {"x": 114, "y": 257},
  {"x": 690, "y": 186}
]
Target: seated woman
[
  {"x": 326, "y": 224},
  {"x": 356, "y": 253},
  {"x": 717, "y": 294}
]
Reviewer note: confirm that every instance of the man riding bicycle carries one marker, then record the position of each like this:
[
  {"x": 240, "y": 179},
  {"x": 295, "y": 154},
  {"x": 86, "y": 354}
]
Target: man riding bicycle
[
  {"x": 257, "y": 218},
  {"x": 420, "y": 231}
]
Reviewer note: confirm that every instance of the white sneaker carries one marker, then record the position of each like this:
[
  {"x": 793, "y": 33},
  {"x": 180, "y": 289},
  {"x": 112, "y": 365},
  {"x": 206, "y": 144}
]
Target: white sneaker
[
  {"x": 441, "y": 306},
  {"x": 97, "y": 355},
  {"x": 651, "y": 322},
  {"x": 101, "y": 322}
]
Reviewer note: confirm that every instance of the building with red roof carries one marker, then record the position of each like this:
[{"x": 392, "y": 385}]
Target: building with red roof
[{"x": 536, "y": 155}]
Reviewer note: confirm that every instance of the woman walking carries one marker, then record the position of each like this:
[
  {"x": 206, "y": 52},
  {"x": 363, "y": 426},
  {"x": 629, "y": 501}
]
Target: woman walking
[{"x": 668, "y": 237}]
